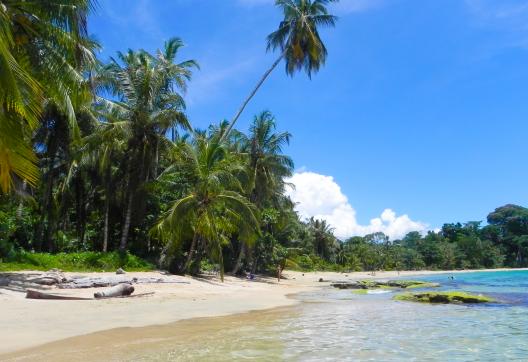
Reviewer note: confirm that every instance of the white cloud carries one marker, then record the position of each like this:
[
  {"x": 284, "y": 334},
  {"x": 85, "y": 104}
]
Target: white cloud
[{"x": 321, "y": 197}]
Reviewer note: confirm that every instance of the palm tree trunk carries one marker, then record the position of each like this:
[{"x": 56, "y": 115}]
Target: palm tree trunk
[
  {"x": 50, "y": 218},
  {"x": 241, "y": 255},
  {"x": 156, "y": 161},
  {"x": 81, "y": 211},
  {"x": 20, "y": 207},
  {"x": 126, "y": 225},
  {"x": 221, "y": 256},
  {"x": 191, "y": 254},
  {"x": 105, "y": 232},
  {"x": 108, "y": 185},
  {"x": 252, "y": 94}
]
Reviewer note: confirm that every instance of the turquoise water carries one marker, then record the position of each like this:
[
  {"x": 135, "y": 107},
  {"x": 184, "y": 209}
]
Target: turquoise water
[{"x": 337, "y": 325}]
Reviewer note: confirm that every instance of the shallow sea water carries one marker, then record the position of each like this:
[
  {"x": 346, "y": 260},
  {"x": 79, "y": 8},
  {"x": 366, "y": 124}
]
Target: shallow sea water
[{"x": 337, "y": 325}]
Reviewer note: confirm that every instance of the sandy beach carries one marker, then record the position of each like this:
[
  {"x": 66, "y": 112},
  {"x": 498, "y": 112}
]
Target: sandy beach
[{"x": 29, "y": 323}]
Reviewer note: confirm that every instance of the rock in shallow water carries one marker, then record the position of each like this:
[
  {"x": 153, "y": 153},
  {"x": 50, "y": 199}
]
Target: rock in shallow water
[
  {"x": 443, "y": 298},
  {"x": 375, "y": 284}
]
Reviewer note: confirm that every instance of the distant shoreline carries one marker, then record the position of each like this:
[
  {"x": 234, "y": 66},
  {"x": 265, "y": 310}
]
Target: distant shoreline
[{"x": 28, "y": 324}]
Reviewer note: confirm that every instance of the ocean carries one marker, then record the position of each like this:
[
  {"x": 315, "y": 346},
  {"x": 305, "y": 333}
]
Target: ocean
[{"x": 338, "y": 325}]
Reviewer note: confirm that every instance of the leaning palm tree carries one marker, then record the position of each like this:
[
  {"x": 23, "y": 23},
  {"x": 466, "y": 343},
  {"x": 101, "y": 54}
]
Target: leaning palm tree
[
  {"x": 298, "y": 40},
  {"x": 43, "y": 46},
  {"x": 148, "y": 106},
  {"x": 215, "y": 207}
]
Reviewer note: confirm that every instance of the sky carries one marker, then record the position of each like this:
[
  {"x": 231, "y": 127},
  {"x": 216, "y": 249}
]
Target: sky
[{"x": 419, "y": 117}]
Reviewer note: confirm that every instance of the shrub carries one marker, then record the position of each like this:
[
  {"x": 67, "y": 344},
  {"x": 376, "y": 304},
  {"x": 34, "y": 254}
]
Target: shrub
[{"x": 83, "y": 261}]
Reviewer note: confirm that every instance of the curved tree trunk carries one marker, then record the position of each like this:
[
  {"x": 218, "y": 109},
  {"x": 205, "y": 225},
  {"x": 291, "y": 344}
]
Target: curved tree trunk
[
  {"x": 251, "y": 95},
  {"x": 241, "y": 255},
  {"x": 221, "y": 256},
  {"x": 191, "y": 254}
]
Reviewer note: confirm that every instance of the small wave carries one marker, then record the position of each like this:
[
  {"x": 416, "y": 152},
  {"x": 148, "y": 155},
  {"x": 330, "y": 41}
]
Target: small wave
[{"x": 378, "y": 291}]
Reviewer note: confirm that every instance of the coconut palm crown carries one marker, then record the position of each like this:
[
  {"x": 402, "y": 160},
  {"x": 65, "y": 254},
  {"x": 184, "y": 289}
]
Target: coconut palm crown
[{"x": 298, "y": 36}]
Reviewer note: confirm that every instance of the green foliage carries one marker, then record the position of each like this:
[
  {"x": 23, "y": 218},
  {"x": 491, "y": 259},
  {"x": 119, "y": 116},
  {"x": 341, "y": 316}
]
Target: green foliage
[
  {"x": 43, "y": 49},
  {"x": 310, "y": 263},
  {"x": 214, "y": 209},
  {"x": 83, "y": 261},
  {"x": 213, "y": 199}
]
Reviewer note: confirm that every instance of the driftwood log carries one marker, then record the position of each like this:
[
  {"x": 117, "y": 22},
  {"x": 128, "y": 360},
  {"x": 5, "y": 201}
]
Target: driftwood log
[
  {"x": 116, "y": 291},
  {"x": 110, "y": 281},
  {"x": 49, "y": 278},
  {"x": 35, "y": 294}
]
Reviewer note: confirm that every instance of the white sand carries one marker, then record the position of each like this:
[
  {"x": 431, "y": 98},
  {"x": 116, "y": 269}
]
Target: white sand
[{"x": 27, "y": 323}]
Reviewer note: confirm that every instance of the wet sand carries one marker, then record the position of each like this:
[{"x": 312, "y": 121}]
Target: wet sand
[{"x": 168, "y": 342}]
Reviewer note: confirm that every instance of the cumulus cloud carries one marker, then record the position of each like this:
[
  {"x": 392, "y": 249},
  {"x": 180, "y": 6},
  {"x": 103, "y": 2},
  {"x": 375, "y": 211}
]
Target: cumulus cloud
[{"x": 321, "y": 197}]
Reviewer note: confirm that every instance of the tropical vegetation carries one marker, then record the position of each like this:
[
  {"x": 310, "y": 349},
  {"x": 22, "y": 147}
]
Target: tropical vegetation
[{"x": 101, "y": 167}]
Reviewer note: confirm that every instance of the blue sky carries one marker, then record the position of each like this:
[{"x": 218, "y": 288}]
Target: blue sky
[{"x": 420, "y": 109}]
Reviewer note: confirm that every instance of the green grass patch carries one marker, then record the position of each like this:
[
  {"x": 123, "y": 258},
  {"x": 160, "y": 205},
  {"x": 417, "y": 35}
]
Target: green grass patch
[
  {"x": 443, "y": 297},
  {"x": 360, "y": 291},
  {"x": 78, "y": 262}
]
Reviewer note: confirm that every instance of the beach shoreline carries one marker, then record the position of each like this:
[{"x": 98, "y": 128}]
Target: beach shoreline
[{"x": 31, "y": 323}]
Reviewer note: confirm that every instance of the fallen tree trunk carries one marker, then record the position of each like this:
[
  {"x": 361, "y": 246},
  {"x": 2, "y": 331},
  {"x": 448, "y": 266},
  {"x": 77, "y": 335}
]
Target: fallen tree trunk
[
  {"x": 116, "y": 291},
  {"x": 35, "y": 294},
  {"x": 50, "y": 278},
  {"x": 98, "y": 282}
]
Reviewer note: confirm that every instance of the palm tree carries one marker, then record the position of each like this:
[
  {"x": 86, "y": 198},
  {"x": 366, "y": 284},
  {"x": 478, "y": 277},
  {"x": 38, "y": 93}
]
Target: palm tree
[
  {"x": 298, "y": 40},
  {"x": 323, "y": 238},
  {"x": 266, "y": 165},
  {"x": 43, "y": 46},
  {"x": 215, "y": 208},
  {"x": 149, "y": 105},
  {"x": 100, "y": 152}
]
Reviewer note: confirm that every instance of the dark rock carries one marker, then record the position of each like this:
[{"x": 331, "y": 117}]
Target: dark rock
[{"x": 443, "y": 298}]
